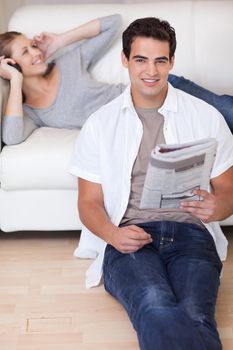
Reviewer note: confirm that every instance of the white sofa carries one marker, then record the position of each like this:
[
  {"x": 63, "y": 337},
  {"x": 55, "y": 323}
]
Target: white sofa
[{"x": 37, "y": 192}]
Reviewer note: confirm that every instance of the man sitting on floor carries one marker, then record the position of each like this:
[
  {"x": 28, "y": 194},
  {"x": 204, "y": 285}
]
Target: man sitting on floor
[{"x": 163, "y": 265}]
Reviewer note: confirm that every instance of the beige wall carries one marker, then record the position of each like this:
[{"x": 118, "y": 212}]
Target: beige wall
[
  {"x": 7, "y": 7},
  {"x": 2, "y": 15}
]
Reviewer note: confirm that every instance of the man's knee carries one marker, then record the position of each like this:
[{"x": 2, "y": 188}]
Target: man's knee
[
  {"x": 197, "y": 314},
  {"x": 157, "y": 297},
  {"x": 152, "y": 302}
]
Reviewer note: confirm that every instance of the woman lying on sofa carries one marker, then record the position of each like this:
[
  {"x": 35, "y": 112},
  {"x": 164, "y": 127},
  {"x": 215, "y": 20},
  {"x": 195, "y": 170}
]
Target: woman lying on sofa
[{"x": 62, "y": 93}]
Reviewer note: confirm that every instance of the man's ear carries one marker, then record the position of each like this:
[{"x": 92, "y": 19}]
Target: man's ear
[
  {"x": 172, "y": 61},
  {"x": 124, "y": 60}
]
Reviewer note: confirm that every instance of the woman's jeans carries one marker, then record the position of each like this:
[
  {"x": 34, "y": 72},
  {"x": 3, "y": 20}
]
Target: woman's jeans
[
  {"x": 169, "y": 287},
  {"x": 223, "y": 103}
]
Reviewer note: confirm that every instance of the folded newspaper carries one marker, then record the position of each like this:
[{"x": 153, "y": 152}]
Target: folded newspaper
[{"x": 175, "y": 170}]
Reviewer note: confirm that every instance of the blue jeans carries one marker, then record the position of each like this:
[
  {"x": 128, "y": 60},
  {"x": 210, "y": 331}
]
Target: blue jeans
[
  {"x": 223, "y": 103},
  {"x": 169, "y": 287}
]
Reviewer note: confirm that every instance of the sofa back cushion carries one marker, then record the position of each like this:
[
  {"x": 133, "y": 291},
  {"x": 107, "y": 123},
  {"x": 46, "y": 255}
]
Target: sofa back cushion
[{"x": 204, "y": 34}]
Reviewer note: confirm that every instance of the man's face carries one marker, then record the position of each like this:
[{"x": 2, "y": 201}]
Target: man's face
[{"x": 148, "y": 67}]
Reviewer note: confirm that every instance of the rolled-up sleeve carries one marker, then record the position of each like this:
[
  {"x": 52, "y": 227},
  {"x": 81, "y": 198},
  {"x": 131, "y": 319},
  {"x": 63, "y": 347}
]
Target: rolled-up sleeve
[{"x": 224, "y": 154}]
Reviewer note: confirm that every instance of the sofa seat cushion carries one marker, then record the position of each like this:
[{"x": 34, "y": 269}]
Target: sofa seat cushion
[{"x": 40, "y": 162}]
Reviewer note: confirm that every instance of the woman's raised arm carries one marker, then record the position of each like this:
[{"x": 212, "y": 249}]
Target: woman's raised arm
[
  {"x": 101, "y": 31},
  {"x": 51, "y": 42}
]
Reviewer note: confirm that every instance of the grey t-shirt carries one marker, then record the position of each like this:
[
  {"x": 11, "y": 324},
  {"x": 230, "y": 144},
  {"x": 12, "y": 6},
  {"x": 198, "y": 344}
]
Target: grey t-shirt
[
  {"x": 79, "y": 95},
  {"x": 152, "y": 122}
]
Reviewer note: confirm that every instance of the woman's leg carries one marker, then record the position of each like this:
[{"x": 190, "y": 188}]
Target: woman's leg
[{"x": 223, "y": 103}]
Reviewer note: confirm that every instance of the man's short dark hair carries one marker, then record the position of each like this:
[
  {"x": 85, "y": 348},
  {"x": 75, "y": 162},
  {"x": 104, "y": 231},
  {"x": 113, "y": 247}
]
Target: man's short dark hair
[{"x": 150, "y": 27}]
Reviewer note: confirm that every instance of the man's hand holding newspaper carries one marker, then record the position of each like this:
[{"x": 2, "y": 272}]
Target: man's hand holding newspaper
[
  {"x": 204, "y": 209},
  {"x": 177, "y": 173}
]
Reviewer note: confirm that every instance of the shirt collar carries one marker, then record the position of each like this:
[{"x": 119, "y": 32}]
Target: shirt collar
[
  {"x": 170, "y": 103},
  {"x": 127, "y": 98}
]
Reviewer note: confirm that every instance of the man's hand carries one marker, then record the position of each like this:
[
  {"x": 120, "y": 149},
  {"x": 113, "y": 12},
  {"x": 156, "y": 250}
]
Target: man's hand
[
  {"x": 129, "y": 239},
  {"x": 92, "y": 212},
  {"x": 205, "y": 209}
]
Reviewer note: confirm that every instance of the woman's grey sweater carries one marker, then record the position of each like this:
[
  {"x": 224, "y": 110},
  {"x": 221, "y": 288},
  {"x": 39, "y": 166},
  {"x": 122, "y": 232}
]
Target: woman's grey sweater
[{"x": 79, "y": 95}]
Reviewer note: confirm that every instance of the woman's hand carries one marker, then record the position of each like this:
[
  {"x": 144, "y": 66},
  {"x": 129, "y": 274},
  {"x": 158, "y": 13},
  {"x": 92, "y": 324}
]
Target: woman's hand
[
  {"x": 48, "y": 43},
  {"x": 7, "y": 71},
  {"x": 15, "y": 100}
]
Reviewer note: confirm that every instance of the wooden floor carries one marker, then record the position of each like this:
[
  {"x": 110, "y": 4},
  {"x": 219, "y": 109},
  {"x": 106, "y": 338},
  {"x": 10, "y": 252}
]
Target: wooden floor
[{"x": 45, "y": 306}]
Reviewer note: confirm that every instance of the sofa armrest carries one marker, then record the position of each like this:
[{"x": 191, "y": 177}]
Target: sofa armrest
[{"x": 4, "y": 91}]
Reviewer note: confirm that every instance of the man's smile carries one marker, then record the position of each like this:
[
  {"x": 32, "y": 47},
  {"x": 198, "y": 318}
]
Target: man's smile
[{"x": 150, "y": 82}]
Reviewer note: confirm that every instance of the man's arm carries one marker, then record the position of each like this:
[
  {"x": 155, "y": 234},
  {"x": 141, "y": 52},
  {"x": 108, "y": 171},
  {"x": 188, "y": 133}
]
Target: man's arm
[
  {"x": 93, "y": 215},
  {"x": 217, "y": 205}
]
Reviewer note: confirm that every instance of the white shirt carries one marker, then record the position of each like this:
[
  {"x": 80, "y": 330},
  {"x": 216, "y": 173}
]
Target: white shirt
[{"x": 107, "y": 146}]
